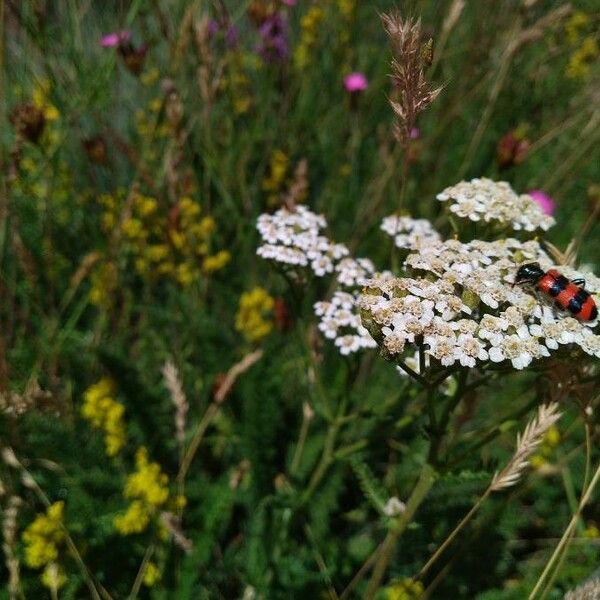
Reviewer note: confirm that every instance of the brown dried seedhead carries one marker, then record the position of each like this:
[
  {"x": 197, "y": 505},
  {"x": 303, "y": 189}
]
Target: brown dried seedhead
[{"x": 410, "y": 58}]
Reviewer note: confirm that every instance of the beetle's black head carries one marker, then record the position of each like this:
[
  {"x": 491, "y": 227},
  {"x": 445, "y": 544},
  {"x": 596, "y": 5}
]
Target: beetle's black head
[{"x": 529, "y": 273}]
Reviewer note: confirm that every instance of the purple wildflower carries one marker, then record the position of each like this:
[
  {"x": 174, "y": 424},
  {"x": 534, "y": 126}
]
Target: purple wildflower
[
  {"x": 546, "y": 203},
  {"x": 274, "y": 44},
  {"x": 114, "y": 39},
  {"x": 356, "y": 82}
]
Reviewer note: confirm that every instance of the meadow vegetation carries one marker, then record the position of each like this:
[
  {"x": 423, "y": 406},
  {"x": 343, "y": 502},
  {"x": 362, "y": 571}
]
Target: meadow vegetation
[{"x": 259, "y": 333}]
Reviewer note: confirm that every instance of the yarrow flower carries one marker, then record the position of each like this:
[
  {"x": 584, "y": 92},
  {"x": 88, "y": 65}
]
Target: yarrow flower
[
  {"x": 409, "y": 233},
  {"x": 340, "y": 322},
  {"x": 471, "y": 314},
  {"x": 495, "y": 201},
  {"x": 294, "y": 238}
]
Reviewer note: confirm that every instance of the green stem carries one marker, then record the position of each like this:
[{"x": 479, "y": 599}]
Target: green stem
[
  {"x": 424, "y": 484},
  {"x": 566, "y": 535},
  {"x": 324, "y": 463}
]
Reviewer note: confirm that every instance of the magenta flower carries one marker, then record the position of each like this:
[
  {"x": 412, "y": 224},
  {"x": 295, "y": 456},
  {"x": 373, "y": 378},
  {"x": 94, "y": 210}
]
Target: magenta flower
[
  {"x": 289, "y": 2},
  {"x": 356, "y": 82},
  {"x": 546, "y": 203},
  {"x": 415, "y": 133},
  {"x": 112, "y": 40}
]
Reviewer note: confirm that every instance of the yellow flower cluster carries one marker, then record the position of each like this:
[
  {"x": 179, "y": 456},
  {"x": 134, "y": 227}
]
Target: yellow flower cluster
[
  {"x": 40, "y": 100},
  {"x": 237, "y": 83},
  {"x": 587, "y": 50},
  {"x": 174, "y": 244},
  {"x": 347, "y": 8},
  {"x": 152, "y": 574},
  {"x": 105, "y": 413},
  {"x": 404, "y": 589},
  {"x": 591, "y": 531},
  {"x": 576, "y": 23},
  {"x": 148, "y": 490},
  {"x": 550, "y": 441},
  {"x": 274, "y": 182},
  {"x": 581, "y": 60},
  {"x": 309, "y": 25},
  {"x": 47, "y": 184},
  {"x": 254, "y": 318},
  {"x": 103, "y": 284},
  {"x": 43, "y": 538}
]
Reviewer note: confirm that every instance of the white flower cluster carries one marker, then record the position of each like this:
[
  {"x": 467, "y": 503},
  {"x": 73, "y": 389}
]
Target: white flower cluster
[
  {"x": 294, "y": 238},
  {"x": 472, "y": 314},
  {"x": 409, "y": 233},
  {"x": 339, "y": 321},
  {"x": 495, "y": 201}
]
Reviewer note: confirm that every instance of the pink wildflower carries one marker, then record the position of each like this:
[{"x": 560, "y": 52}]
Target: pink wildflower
[
  {"x": 112, "y": 40},
  {"x": 546, "y": 203},
  {"x": 356, "y": 82},
  {"x": 289, "y": 2}
]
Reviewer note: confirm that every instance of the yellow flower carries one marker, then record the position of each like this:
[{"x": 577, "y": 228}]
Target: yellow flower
[
  {"x": 253, "y": 318},
  {"x": 537, "y": 461},
  {"x": 134, "y": 228},
  {"x": 148, "y": 490},
  {"x": 591, "y": 531},
  {"x": 103, "y": 280},
  {"x": 53, "y": 577},
  {"x": 185, "y": 274},
  {"x": 105, "y": 413},
  {"x": 308, "y": 37},
  {"x": 405, "y": 589},
  {"x": 151, "y": 574},
  {"x": 216, "y": 262},
  {"x": 580, "y": 61},
  {"x": 578, "y": 21},
  {"x": 40, "y": 100},
  {"x": 148, "y": 483},
  {"x": 157, "y": 252},
  {"x": 134, "y": 520},
  {"x": 149, "y": 77},
  {"x": 43, "y": 536},
  {"x": 346, "y": 8},
  {"x": 552, "y": 437}
]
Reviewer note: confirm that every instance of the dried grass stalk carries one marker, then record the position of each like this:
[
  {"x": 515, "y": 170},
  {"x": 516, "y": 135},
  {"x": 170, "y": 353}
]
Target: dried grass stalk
[
  {"x": 410, "y": 57},
  {"x": 173, "y": 383},
  {"x": 588, "y": 591},
  {"x": 527, "y": 443},
  {"x": 9, "y": 544}
]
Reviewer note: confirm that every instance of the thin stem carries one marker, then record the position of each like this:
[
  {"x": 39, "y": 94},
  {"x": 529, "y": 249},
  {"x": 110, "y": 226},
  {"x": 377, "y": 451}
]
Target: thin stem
[
  {"x": 135, "y": 589},
  {"x": 454, "y": 533},
  {"x": 424, "y": 484},
  {"x": 32, "y": 483},
  {"x": 206, "y": 420},
  {"x": 564, "y": 553},
  {"x": 566, "y": 535},
  {"x": 307, "y": 416},
  {"x": 324, "y": 462},
  {"x": 413, "y": 374}
]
